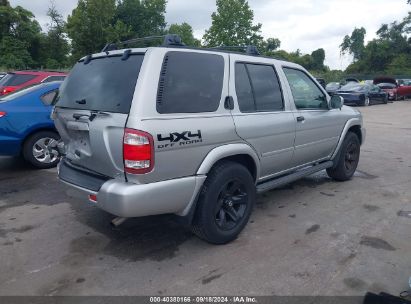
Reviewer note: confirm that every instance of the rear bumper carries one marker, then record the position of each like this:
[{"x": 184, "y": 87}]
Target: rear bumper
[{"x": 135, "y": 200}]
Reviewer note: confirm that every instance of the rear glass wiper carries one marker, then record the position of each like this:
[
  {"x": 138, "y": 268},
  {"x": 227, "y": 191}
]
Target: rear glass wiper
[{"x": 81, "y": 101}]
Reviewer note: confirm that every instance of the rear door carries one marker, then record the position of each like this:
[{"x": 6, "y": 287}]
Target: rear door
[
  {"x": 92, "y": 109},
  {"x": 261, "y": 115}
]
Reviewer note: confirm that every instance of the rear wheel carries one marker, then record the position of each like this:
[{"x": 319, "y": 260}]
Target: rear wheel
[
  {"x": 225, "y": 203},
  {"x": 385, "y": 100},
  {"x": 40, "y": 149},
  {"x": 348, "y": 159}
]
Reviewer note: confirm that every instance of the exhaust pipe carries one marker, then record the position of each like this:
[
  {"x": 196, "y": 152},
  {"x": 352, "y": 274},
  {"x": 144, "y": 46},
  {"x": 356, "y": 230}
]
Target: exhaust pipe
[{"x": 118, "y": 221}]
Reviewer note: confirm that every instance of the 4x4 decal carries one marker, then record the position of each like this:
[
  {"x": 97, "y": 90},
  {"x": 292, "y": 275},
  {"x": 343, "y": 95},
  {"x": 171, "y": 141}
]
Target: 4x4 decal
[{"x": 181, "y": 139}]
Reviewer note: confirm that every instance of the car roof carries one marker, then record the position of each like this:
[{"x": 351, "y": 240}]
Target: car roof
[
  {"x": 202, "y": 50},
  {"x": 39, "y": 73}
]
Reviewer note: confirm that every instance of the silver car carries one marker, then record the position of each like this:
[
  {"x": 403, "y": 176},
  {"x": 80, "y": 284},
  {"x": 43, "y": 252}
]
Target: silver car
[{"x": 197, "y": 133}]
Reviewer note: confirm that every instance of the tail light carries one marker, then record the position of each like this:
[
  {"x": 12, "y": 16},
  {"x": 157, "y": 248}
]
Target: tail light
[
  {"x": 2, "y": 114},
  {"x": 138, "y": 152},
  {"x": 92, "y": 198},
  {"x": 6, "y": 90}
]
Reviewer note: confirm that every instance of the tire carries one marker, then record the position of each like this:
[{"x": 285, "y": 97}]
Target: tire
[
  {"x": 39, "y": 149},
  {"x": 348, "y": 159},
  {"x": 228, "y": 193},
  {"x": 366, "y": 102},
  {"x": 385, "y": 100}
]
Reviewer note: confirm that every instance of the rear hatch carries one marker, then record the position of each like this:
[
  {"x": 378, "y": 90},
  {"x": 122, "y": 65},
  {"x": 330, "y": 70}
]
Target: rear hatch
[{"x": 92, "y": 110}]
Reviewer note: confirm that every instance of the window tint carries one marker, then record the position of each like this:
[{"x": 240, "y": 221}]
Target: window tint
[
  {"x": 103, "y": 84},
  {"x": 53, "y": 78},
  {"x": 258, "y": 88},
  {"x": 190, "y": 83},
  {"x": 16, "y": 79},
  {"x": 243, "y": 89},
  {"x": 48, "y": 98},
  {"x": 305, "y": 92}
]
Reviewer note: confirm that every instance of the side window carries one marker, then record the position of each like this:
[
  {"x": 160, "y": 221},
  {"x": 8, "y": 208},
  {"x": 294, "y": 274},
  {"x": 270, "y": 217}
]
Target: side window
[
  {"x": 305, "y": 92},
  {"x": 190, "y": 83},
  {"x": 53, "y": 78},
  {"x": 47, "y": 99},
  {"x": 258, "y": 88},
  {"x": 243, "y": 89}
]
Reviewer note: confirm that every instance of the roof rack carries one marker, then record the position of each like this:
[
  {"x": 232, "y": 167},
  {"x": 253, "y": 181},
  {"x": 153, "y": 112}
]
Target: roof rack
[
  {"x": 168, "y": 40},
  {"x": 248, "y": 49}
]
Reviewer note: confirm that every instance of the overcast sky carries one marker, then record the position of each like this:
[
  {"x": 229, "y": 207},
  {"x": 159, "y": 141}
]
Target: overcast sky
[{"x": 299, "y": 24}]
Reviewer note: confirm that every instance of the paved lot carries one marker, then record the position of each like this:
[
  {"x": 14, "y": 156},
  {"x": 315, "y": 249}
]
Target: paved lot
[{"x": 313, "y": 237}]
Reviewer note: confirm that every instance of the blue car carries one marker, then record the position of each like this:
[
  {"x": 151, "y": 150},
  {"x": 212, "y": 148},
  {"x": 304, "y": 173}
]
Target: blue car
[{"x": 26, "y": 127}]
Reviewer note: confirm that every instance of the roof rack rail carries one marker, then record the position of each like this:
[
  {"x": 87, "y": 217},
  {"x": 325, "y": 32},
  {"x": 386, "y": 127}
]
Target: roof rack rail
[
  {"x": 168, "y": 40},
  {"x": 248, "y": 49}
]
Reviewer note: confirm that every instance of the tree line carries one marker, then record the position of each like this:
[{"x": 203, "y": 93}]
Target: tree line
[{"x": 94, "y": 23}]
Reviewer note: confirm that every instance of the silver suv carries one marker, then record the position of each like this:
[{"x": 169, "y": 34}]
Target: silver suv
[{"x": 197, "y": 133}]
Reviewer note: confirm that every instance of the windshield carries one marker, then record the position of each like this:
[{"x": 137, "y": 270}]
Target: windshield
[
  {"x": 387, "y": 85},
  {"x": 19, "y": 93},
  {"x": 333, "y": 85},
  {"x": 103, "y": 84}
]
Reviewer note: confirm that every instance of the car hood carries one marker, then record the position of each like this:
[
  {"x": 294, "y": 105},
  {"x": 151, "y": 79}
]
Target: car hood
[{"x": 384, "y": 80}]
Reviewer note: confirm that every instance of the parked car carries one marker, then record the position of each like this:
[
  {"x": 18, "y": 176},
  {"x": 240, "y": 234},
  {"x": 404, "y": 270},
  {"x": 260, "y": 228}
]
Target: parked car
[
  {"x": 348, "y": 80},
  {"x": 21, "y": 79},
  {"x": 388, "y": 85},
  {"x": 362, "y": 94},
  {"x": 197, "y": 133},
  {"x": 404, "y": 90},
  {"x": 332, "y": 87},
  {"x": 26, "y": 127},
  {"x": 321, "y": 81}
]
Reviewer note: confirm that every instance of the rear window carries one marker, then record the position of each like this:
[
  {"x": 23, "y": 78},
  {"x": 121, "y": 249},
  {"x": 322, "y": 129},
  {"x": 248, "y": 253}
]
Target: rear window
[
  {"x": 258, "y": 88},
  {"x": 12, "y": 80},
  {"x": 54, "y": 78},
  {"x": 104, "y": 84},
  {"x": 190, "y": 83}
]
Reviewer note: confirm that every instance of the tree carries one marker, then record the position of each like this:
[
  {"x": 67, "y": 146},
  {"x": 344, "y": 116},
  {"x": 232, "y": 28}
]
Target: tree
[
  {"x": 92, "y": 24},
  {"x": 20, "y": 37},
  {"x": 185, "y": 31},
  {"x": 145, "y": 18},
  {"x": 318, "y": 57},
  {"x": 354, "y": 44},
  {"x": 55, "y": 44},
  {"x": 232, "y": 25}
]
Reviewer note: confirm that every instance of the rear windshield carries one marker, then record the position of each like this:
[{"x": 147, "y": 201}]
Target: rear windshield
[
  {"x": 11, "y": 80},
  {"x": 104, "y": 84}
]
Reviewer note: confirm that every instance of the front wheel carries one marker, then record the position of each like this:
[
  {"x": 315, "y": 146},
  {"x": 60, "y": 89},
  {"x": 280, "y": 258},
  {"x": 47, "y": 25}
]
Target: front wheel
[
  {"x": 366, "y": 102},
  {"x": 40, "y": 149},
  {"x": 225, "y": 203},
  {"x": 385, "y": 100},
  {"x": 348, "y": 159}
]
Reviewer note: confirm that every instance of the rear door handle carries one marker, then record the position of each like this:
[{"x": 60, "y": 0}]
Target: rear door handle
[{"x": 300, "y": 118}]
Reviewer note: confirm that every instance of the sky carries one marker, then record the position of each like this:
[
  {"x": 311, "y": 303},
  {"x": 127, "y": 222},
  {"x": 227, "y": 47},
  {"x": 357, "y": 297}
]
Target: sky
[{"x": 299, "y": 24}]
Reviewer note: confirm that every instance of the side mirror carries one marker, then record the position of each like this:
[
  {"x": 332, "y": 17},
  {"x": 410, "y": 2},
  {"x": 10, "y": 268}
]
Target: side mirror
[{"x": 336, "y": 102}]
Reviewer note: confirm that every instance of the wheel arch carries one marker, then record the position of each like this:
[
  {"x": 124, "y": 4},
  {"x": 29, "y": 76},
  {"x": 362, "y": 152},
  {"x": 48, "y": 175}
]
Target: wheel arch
[
  {"x": 240, "y": 153},
  {"x": 353, "y": 125}
]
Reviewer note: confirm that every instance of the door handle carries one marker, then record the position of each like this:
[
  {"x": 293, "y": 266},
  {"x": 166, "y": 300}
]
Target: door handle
[
  {"x": 300, "y": 118},
  {"x": 229, "y": 103}
]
